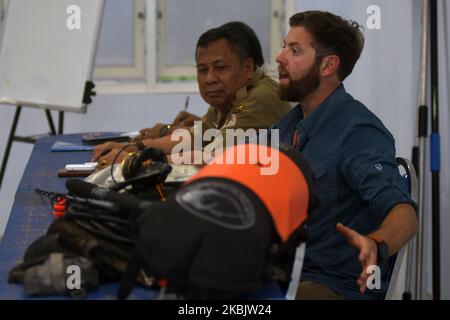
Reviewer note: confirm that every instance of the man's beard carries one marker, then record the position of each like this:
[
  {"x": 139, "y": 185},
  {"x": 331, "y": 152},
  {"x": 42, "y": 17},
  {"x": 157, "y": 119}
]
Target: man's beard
[{"x": 297, "y": 90}]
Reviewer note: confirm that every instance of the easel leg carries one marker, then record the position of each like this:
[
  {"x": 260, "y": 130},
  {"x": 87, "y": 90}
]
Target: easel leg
[
  {"x": 50, "y": 122},
  {"x": 61, "y": 122},
  {"x": 12, "y": 133}
]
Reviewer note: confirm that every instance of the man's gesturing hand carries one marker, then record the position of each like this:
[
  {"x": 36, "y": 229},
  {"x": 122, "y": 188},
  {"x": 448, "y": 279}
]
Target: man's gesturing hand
[{"x": 367, "y": 252}]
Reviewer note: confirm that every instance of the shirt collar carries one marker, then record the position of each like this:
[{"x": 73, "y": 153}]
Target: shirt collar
[{"x": 320, "y": 116}]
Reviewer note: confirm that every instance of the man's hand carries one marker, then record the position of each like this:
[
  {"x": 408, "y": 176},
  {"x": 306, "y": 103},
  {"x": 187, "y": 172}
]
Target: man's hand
[
  {"x": 152, "y": 132},
  {"x": 185, "y": 119},
  {"x": 104, "y": 148},
  {"x": 367, "y": 252}
]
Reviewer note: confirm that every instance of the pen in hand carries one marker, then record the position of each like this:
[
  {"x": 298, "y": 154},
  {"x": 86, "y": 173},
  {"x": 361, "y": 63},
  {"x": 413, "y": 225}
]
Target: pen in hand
[
  {"x": 186, "y": 104},
  {"x": 183, "y": 115}
]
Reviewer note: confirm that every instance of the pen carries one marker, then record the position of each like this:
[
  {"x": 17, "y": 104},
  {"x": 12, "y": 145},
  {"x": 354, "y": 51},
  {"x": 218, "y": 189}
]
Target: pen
[{"x": 186, "y": 104}]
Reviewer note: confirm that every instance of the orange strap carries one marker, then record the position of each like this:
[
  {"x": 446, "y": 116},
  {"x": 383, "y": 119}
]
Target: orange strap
[{"x": 285, "y": 194}]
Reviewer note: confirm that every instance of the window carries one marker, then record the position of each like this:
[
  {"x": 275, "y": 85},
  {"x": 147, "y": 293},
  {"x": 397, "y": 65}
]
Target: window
[
  {"x": 120, "y": 49},
  {"x": 180, "y": 23},
  {"x": 165, "y": 33}
]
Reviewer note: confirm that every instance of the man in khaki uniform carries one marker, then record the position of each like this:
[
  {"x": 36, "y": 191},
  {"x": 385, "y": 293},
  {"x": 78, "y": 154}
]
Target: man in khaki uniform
[
  {"x": 239, "y": 95},
  {"x": 257, "y": 106}
]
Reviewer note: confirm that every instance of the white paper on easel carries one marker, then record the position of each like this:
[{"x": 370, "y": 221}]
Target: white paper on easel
[{"x": 44, "y": 60}]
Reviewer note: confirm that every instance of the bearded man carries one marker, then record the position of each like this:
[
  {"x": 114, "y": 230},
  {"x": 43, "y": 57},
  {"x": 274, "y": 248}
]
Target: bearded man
[{"x": 363, "y": 200}]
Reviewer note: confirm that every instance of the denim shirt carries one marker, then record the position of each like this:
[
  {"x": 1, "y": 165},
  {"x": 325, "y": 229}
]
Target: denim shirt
[{"x": 352, "y": 156}]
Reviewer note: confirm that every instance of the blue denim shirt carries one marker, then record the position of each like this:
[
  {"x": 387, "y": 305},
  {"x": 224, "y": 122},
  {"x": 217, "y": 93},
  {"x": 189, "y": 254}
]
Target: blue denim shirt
[{"x": 352, "y": 156}]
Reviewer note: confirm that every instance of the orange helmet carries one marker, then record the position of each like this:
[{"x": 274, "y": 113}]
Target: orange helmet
[{"x": 287, "y": 193}]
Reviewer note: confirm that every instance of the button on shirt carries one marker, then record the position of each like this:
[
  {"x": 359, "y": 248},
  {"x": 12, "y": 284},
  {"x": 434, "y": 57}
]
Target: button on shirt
[{"x": 352, "y": 156}]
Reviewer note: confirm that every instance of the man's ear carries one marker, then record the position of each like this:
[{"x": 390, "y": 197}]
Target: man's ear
[
  {"x": 249, "y": 67},
  {"x": 329, "y": 65}
]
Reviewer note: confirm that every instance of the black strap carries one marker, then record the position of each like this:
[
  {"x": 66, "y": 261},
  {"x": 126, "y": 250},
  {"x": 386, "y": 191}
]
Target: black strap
[{"x": 281, "y": 260}]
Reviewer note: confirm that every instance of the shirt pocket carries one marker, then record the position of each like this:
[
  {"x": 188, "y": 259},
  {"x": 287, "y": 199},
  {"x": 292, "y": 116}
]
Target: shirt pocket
[{"x": 325, "y": 187}]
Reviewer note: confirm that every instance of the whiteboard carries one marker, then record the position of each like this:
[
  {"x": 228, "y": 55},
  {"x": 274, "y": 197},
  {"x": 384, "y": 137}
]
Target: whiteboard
[{"x": 44, "y": 61}]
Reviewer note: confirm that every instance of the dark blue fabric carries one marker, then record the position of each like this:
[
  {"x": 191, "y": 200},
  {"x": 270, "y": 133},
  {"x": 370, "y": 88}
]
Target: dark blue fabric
[{"x": 352, "y": 156}]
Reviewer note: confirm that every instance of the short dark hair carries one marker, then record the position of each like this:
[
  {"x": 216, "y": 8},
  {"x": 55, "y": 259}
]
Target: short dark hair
[
  {"x": 255, "y": 46},
  {"x": 237, "y": 40},
  {"x": 332, "y": 35}
]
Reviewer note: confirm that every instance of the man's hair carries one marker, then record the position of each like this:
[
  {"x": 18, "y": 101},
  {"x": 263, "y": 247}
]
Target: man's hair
[
  {"x": 332, "y": 35},
  {"x": 255, "y": 46},
  {"x": 237, "y": 40}
]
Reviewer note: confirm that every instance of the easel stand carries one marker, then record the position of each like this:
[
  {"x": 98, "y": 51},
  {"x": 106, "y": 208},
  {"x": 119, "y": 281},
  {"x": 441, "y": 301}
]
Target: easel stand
[{"x": 31, "y": 139}]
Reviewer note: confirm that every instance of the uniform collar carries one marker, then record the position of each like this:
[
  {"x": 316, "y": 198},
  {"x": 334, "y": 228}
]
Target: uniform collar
[{"x": 242, "y": 93}]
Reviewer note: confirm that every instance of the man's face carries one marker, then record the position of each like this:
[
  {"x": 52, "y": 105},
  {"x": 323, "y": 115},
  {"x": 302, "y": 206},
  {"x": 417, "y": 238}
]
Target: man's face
[
  {"x": 298, "y": 71},
  {"x": 220, "y": 74}
]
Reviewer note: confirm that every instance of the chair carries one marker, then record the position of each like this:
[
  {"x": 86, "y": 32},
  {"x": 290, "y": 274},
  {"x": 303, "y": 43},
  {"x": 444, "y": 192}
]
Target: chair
[
  {"x": 406, "y": 169},
  {"x": 296, "y": 272}
]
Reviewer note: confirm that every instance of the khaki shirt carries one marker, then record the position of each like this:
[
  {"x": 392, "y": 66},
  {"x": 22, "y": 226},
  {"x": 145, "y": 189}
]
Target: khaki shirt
[{"x": 257, "y": 106}]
